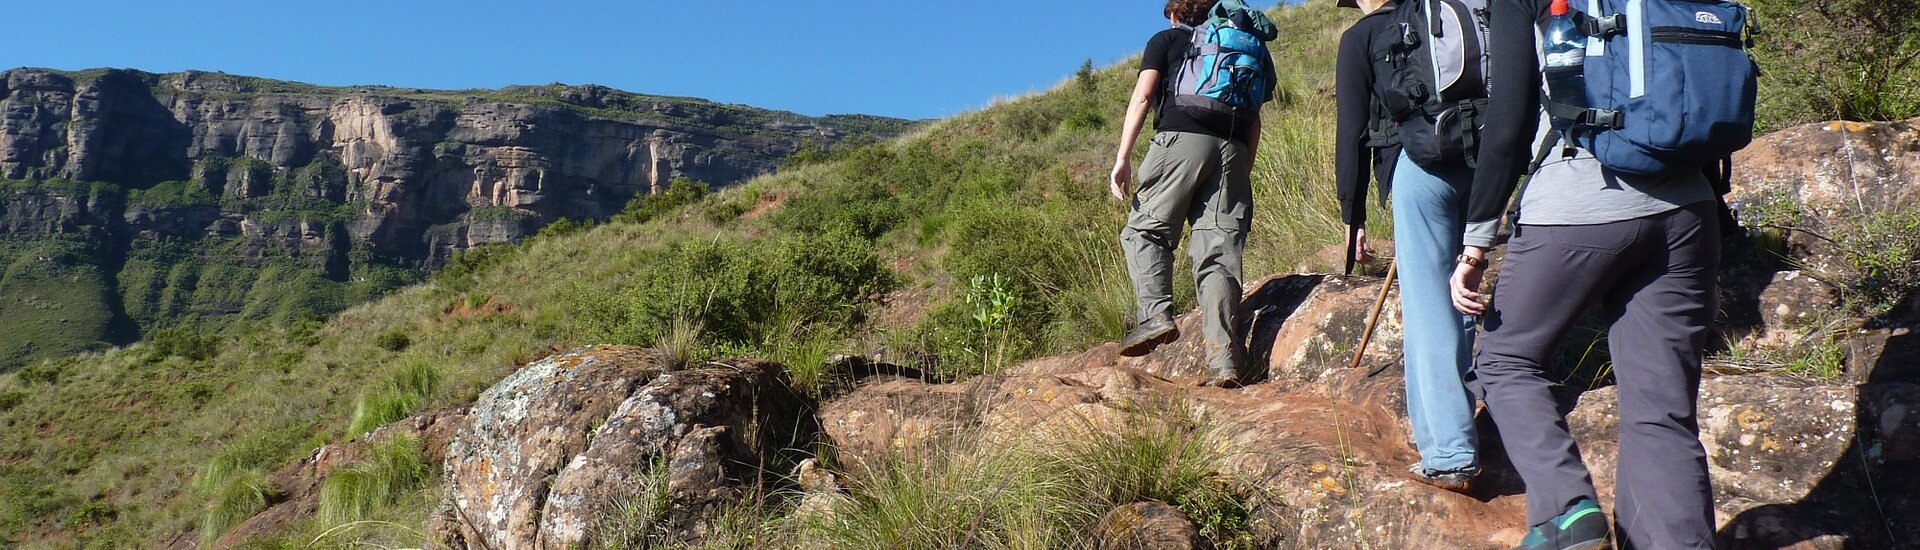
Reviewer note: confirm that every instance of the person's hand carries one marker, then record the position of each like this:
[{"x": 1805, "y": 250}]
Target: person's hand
[
  {"x": 1357, "y": 242},
  {"x": 1121, "y": 182},
  {"x": 1465, "y": 286}
]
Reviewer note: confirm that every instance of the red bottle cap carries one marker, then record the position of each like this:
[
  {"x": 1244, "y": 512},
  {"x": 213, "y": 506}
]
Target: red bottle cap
[{"x": 1558, "y": 8}]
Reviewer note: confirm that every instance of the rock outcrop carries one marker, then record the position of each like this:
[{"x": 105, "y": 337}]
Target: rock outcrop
[
  {"x": 1326, "y": 446},
  {"x": 546, "y": 456}
]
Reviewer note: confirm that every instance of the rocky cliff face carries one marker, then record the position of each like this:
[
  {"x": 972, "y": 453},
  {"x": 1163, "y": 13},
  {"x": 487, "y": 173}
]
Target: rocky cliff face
[
  {"x": 425, "y": 173},
  {"x": 176, "y": 197}
]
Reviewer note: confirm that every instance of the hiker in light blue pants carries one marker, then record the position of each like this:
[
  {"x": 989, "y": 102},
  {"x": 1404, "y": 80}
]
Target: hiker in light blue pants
[{"x": 1428, "y": 217}]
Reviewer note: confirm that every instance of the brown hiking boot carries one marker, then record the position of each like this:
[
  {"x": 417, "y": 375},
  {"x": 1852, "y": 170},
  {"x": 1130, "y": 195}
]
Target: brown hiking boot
[
  {"x": 1458, "y": 481},
  {"x": 1149, "y": 335}
]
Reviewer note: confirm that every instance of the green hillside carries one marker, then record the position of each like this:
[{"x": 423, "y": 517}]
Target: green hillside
[{"x": 875, "y": 250}]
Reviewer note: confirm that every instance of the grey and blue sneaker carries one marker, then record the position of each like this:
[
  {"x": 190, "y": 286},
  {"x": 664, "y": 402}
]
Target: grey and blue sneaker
[{"x": 1581, "y": 527}]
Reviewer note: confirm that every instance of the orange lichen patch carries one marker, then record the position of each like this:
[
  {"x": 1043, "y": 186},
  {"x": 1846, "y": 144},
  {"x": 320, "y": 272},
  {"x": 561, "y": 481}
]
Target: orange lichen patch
[
  {"x": 1753, "y": 419},
  {"x": 1848, "y": 126}
]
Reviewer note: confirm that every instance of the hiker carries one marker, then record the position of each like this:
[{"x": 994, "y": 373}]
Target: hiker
[
  {"x": 1429, "y": 209},
  {"x": 1198, "y": 170},
  {"x": 1608, "y": 216}
]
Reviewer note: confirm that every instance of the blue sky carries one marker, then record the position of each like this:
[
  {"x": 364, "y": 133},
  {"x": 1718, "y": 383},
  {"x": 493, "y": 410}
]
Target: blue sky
[{"x": 917, "y": 59}]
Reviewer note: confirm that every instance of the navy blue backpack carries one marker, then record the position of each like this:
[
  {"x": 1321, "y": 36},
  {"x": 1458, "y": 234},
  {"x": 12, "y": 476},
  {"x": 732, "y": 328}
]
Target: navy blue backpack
[{"x": 1670, "y": 84}]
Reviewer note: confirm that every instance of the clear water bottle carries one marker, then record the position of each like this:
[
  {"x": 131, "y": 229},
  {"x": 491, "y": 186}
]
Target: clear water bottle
[{"x": 1566, "y": 49}]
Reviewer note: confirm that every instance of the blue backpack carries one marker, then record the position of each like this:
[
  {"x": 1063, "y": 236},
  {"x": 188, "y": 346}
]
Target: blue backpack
[
  {"x": 1225, "y": 73},
  {"x": 1669, "y": 84}
]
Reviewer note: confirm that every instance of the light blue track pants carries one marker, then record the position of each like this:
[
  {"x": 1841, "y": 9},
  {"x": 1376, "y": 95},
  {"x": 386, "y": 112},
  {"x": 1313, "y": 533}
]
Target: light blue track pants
[{"x": 1429, "y": 212}]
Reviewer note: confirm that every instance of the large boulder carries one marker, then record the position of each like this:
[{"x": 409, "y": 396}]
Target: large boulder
[{"x": 548, "y": 452}]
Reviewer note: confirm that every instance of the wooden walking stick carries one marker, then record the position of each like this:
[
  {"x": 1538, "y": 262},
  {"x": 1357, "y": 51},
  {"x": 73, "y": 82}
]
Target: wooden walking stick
[{"x": 1373, "y": 320}]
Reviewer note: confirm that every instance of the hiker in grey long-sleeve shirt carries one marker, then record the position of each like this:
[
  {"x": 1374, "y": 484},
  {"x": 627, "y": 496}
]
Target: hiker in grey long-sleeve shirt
[{"x": 1648, "y": 250}]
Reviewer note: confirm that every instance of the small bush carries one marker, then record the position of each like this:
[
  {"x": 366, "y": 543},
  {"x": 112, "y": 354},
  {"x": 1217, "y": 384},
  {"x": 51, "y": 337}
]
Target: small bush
[
  {"x": 1838, "y": 59},
  {"x": 44, "y": 372},
  {"x": 737, "y": 292},
  {"x": 395, "y": 339},
  {"x": 563, "y": 227},
  {"x": 680, "y": 193},
  {"x": 11, "y": 399},
  {"x": 183, "y": 341},
  {"x": 392, "y": 469}
]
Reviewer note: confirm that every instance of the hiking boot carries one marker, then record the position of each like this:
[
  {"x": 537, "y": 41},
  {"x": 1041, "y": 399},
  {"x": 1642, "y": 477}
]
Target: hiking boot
[
  {"x": 1581, "y": 527},
  {"x": 1220, "y": 379},
  {"x": 1149, "y": 335},
  {"x": 1458, "y": 481}
]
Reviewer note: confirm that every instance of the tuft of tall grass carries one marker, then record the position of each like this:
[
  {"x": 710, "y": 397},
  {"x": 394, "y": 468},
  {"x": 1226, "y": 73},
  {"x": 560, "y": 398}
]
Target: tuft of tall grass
[
  {"x": 233, "y": 497},
  {"x": 1041, "y": 493},
  {"x": 393, "y": 468},
  {"x": 413, "y": 386}
]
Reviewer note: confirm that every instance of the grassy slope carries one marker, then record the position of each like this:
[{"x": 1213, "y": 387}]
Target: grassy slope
[{"x": 1017, "y": 184}]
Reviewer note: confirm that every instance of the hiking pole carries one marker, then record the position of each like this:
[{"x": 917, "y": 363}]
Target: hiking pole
[{"x": 1373, "y": 319}]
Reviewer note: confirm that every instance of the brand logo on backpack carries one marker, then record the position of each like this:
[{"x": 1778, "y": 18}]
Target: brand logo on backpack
[{"x": 1706, "y": 17}]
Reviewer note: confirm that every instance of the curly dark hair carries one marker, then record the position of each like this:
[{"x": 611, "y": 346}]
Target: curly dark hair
[{"x": 1189, "y": 12}]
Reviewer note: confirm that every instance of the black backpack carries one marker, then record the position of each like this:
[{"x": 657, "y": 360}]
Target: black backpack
[{"x": 1436, "y": 78}]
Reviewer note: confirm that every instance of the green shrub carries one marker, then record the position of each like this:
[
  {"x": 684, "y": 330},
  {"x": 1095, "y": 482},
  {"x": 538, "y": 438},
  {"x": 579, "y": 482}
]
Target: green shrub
[
  {"x": 1838, "y": 59},
  {"x": 460, "y": 271},
  {"x": 393, "y": 468},
  {"x": 394, "y": 339},
  {"x": 183, "y": 341},
  {"x": 172, "y": 194},
  {"x": 563, "y": 227},
  {"x": 10, "y": 399},
  {"x": 680, "y": 193},
  {"x": 44, "y": 372},
  {"x": 737, "y": 292},
  {"x": 29, "y": 494}
]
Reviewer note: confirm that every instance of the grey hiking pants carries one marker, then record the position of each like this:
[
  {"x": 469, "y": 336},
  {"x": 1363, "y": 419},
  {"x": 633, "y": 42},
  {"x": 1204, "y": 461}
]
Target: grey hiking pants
[
  {"x": 1655, "y": 278},
  {"x": 1204, "y": 181}
]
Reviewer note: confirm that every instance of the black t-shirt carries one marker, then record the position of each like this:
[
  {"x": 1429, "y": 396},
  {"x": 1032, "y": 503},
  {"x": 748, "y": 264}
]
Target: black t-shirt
[{"x": 1166, "y": 52}]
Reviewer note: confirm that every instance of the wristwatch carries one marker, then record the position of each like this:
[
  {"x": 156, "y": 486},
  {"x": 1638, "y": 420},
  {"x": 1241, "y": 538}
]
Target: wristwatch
[{"x": 1471, "y": 261}]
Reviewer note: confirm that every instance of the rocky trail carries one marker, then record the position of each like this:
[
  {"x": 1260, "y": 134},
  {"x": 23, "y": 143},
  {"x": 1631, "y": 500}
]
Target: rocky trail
[{"x": 1797, "y": 462}]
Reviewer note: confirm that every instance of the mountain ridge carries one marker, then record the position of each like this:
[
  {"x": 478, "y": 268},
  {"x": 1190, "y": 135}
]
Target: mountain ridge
[{"x": 177, "y": 197}]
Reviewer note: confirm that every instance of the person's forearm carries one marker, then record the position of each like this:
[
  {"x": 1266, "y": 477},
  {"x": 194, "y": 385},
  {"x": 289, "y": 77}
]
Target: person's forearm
[
  {"x": 1513, "y": 111},
  {"x": 1137, "y": 107}
]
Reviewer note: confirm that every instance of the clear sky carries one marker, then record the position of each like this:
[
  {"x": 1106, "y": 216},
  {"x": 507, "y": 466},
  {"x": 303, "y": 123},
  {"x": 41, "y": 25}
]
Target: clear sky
[{"x": 915, "y": 59}]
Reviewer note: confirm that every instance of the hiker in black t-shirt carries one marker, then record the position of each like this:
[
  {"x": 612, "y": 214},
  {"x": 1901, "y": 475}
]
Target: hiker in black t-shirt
[{"x": 1197, "y": 172}]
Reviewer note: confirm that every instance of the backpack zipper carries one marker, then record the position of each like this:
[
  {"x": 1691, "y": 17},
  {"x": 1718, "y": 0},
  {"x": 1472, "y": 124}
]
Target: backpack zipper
[{"x": 1696, "y": 37}]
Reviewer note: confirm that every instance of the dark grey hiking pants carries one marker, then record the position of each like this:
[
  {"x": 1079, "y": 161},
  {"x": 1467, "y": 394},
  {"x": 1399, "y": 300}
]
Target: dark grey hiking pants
[
  {"x": 1206, "y": 181},
  {"x": 1655, "y": 278}
]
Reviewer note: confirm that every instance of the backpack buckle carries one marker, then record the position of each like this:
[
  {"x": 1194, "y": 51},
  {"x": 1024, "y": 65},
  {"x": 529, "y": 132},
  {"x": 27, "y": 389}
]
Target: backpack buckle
[
  {"x": 1612, "y": 120},
  {"x": 1601, "y": 27}
]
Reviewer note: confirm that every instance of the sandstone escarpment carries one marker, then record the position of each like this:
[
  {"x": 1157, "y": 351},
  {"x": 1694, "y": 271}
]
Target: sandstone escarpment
[
  {"x": 414, "y": 165},
  {"x": 196, "y": 196}
]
